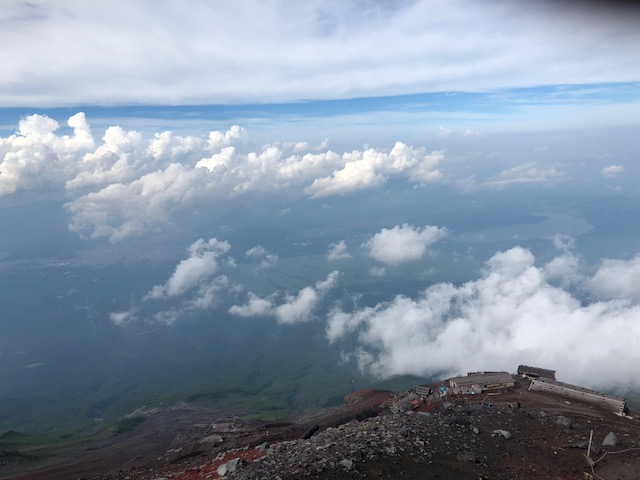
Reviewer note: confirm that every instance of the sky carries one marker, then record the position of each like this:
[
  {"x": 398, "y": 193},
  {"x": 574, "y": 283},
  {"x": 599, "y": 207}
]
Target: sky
[
  {"x": 166, "y": 53},
  {"x": 451, "y": 143}
]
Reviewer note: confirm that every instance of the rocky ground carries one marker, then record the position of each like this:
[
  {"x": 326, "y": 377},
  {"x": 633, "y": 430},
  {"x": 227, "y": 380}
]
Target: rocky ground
[{"x": 459, "y": 437}]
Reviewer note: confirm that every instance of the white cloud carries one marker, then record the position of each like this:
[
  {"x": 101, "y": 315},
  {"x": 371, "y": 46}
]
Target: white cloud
[
  {"x": 129, "y": 185},
  {"x": 470, "y": 133},
  {"x": 191, "y": 272},
  {"x": 444, "y": 132},
  {"x": 193, "y": 285},
  {"x": 526, "y": 174},
  {"x": 297, "y": 308},
  {"x": 616, "y": 279},
  {"x": 255, "y": 307},
  {"x": 377, "y": 271},
  {"x": 294, "y": 309},
  {"x": 511, "y": 315},
  {"x": 260, "y": 254},
  {"x": 403, "y": 244},
  {"x": 122, "y": 318},
  {"x": 35, "y": 157},
  {"x": 432, "y": 46},
  {"x": 564, "y": 242},
  {"x": 362, "y": 170},
  {"x": 338, "y": 251},
  {"x": 612, "y": 170},
  {"x": 565, "y": 270},
  {"x": 120, "y": 210},
  {"x": 529, "y": 173},
  {"x": 218, "y": 140},
  {"x": 208, "y": 294}
]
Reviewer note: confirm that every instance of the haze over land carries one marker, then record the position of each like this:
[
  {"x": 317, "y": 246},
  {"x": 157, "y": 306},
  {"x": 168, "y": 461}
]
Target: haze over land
[{"x": 271, "y": 205}]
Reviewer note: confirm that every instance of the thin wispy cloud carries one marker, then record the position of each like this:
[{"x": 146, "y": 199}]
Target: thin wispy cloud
[
  {"x": 612, "y": 171},
  {"x": 526, "y": 174}
]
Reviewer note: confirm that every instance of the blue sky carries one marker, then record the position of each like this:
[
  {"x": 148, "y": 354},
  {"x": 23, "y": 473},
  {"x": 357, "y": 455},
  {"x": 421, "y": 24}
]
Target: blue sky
[{"x": 424, "y": 116}]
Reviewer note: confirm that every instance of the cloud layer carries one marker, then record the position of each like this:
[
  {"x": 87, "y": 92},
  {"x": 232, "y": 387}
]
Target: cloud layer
[
  {"x": 511, "y": 315},
  {"x": 128, "y": 185},
  {"x": 564, "y": 315},
  {"x": 340, "y": 49}
]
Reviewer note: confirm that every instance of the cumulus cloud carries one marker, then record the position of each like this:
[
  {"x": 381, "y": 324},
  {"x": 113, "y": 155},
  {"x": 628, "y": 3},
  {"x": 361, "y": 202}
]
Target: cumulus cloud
[
  {"x": 362, "y": 170},
  {"x": 201, "y": 264},
  {"x": 293, "y": 308},
  {"x": 254, "y": 307},
  {"x": 35, "y": 156},
  {"x": 612, "y": 170},
  {"x": 208, "y": 294},
  {"x": 510, "y": 315},
  {"x": 566, "y": 271},
  {"x": 338, "y": 251},
  {"x": 195, "y": 284},
  {"x": 470, "y": 133},
  {"x": 616, "y": 279},
  {"x": 404, "y": 243},
  {"x": 129, "y": 185}
]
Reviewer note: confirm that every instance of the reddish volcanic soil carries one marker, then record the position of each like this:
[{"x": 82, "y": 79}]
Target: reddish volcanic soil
[{"x": 541, "y": 445}]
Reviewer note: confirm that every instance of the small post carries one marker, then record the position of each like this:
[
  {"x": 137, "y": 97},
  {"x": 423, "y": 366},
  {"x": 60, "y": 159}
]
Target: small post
[{"x": 589, "y": 447}]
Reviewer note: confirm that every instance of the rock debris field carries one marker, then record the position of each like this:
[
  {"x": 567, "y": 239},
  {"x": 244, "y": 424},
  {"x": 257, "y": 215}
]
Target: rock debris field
[{"x": 462, "y": 437}]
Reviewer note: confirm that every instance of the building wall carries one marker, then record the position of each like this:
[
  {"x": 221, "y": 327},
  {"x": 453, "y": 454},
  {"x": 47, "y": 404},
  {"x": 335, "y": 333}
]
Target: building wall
[{"x": 591, "y": 397}]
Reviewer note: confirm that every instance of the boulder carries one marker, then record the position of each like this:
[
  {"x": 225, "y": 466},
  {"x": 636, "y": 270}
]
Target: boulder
[
  {"x": 229, "y": 467},
  {"x": 564, "y": 421},
  {"x": 208, "y": 443},
  {"x": 610, "y": 440},
  {"x": 348, "y": 464},
  {"x": 504, "y": 433},
  {"x": 315, "y": 429}
]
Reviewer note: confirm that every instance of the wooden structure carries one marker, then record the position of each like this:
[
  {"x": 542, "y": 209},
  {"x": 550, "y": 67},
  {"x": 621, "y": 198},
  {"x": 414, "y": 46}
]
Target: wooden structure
[
  {"x": 535, "y": 372},
  {"x": 585, "y": 394},
  {"x": 423, "y": 390},
  {"x": 479, "y": 382},
  {"x": 409, "y": 402}
]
